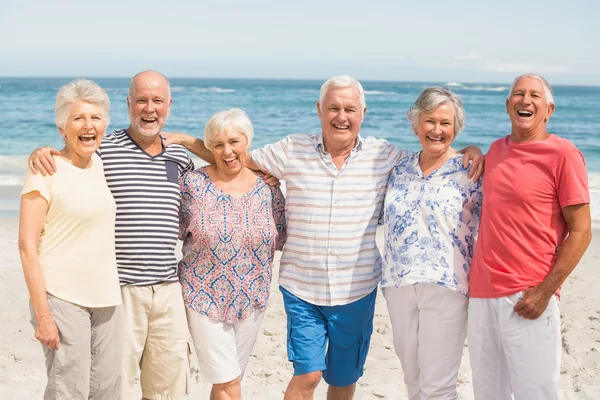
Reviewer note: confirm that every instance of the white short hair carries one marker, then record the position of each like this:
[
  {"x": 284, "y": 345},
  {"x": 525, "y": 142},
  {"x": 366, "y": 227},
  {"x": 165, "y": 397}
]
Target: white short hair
[
  {"x": 221, "y": 121},
  {"x": 80, "y": 90},
  {"x": 433, "y": 97},
  {"x": 342, "y": 81},
  {"x": 547, "y": 88}
]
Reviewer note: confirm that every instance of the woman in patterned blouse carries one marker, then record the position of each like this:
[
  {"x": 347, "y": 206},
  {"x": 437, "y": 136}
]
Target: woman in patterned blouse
[
  {"x": 431, "y": 218},
  {"x": 231, "y": 223}
]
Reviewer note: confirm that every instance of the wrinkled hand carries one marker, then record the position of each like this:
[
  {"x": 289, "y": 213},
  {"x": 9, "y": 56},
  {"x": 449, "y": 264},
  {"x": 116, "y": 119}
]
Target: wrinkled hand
[
  {"x": 42, "y": 161},
  {"x": 47, "y": 332},
  {"x": 533, "y": 304},
  {"x": 175, "y": 138},
  {"x": 474, "y": 156},
  {"x": 271, "y": 180}
]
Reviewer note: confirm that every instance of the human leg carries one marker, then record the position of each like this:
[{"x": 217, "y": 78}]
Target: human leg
[
  {"x": 136, "y": 303},
  {"x": 349, "y": 328},
  {"x": 404, "y": 316},
  {"x": 488, "y": 362},
  {"x": 107, "y": 354},
  {"x": 306, "y": 345},
  {"x": 533, "y": 351},
  {"x": 68, "y": 367},
  {"x": 165, "y": 364},
  {"x": 441, "y": 338},
  {"x": 246, "y": 331}
]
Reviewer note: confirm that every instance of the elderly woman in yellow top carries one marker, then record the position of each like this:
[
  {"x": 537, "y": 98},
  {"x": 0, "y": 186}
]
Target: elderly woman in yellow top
[{"x": 67, "y": 248}]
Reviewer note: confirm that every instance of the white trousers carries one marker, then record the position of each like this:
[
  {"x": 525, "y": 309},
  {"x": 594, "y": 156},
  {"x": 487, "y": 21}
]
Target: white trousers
[
  {"x": 511, "y": 355},
  {"x": 223, "y": 349},
  {"x": 429, "y": 324}
]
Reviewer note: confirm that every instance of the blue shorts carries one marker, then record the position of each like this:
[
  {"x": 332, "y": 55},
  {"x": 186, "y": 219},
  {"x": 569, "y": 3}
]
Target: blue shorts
[{"x": 332, "y": 339}]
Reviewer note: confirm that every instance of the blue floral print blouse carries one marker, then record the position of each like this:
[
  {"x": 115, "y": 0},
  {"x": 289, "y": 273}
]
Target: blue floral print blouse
[{"x": 430, "y": 225}]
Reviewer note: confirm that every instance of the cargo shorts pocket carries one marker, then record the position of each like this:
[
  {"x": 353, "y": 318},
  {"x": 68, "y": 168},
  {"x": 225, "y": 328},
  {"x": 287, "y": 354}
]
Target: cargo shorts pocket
[{"x": 363, "y": 347}]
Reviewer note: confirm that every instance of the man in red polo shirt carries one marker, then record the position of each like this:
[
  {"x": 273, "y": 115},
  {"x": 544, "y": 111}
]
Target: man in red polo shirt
[{"x": 535, "y": 227}]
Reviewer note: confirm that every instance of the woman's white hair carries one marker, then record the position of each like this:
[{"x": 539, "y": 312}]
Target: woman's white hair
[
  {"x": 80, "y": 90},
  {"x": 342, "y": 81},
  {"x": 547, "y": 88},
  {"x": 433, "y": 97},
  {"x": 233, "y": 119}
]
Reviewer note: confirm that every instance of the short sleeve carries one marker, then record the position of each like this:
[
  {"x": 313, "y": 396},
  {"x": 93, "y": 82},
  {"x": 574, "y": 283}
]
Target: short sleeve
[
  {"x": 37, "y": 183},
  {"x": 474, "y": 204},
  {"x": 188, "y": 167},
  {"x": 572, "y": 180},
  {"x": 187, "y": 199},
  {"x": 278, "y": 207},
  {"x": 393, "y": 154},
  {"x": 273, "y": 157}
]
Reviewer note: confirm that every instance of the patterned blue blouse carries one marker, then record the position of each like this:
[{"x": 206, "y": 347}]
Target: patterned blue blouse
[{"x": 430, "y": 225}]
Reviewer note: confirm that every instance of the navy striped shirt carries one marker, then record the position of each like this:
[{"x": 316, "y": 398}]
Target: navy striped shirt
[{"x": 146, "y": 191}]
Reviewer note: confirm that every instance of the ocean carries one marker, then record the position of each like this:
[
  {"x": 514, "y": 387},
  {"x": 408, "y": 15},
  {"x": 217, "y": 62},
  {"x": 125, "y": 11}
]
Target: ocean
[{"x": 281, "y": 107}]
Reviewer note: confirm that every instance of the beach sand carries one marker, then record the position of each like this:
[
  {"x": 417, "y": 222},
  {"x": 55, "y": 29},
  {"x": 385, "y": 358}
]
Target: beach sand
[{"x": 22, "y": 371}]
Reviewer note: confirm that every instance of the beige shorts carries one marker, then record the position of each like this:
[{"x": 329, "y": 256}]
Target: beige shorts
[
  {"x": 223, "y": 349},
  {"x": 86, "y": 364},
  {"x": 155, "y": 341}
]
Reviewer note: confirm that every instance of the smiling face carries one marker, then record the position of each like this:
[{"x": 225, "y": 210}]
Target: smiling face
[
  {"x": 148, "y": 104},
  {"x": 528, "y": 108},
  {"x": 230, "y": 149},
  {"x": 436, "y": 130},
  {"x": 84, "y": 129},
  {"x": 341, "y": 117}
]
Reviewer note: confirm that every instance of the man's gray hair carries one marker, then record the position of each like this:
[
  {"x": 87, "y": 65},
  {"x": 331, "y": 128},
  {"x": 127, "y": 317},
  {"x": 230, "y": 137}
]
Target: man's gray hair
[
  {"x": 433, "y": 97},
  {"x": 132, "y": 83},
  {"x": 547, "y": 88},
  {"x": 80, "y": 90},
  {"x": 342, "y": 81},
  {"x": 221, "y": 121}
]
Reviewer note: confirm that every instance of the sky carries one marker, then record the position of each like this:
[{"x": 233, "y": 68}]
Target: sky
[{"x": 461, "y": 41}]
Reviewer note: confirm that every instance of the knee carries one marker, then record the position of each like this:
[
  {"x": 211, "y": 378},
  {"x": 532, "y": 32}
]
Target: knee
[
  {"x": 231, "y": 388},
  {"x": 310, "y": 380}
]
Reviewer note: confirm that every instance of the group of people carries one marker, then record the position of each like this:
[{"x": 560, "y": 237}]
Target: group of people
[{"x": 482, "y": 258}]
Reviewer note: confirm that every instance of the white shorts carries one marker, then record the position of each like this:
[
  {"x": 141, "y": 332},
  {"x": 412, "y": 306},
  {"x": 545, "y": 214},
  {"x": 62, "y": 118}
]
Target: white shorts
[
  {"x": 511, "y": 355},
  {"x": 223, "y": 349}
]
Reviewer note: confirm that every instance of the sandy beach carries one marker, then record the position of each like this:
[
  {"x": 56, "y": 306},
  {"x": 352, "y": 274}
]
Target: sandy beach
[{"x": 22, "y": 372}]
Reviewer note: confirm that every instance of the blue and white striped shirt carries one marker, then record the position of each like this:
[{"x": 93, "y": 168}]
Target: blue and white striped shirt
[{"x": 146, "y": 191}]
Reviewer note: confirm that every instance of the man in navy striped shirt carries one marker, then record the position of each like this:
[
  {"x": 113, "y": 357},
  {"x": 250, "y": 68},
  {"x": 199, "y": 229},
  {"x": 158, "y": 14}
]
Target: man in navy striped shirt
[{"x": 143, "y": 176}]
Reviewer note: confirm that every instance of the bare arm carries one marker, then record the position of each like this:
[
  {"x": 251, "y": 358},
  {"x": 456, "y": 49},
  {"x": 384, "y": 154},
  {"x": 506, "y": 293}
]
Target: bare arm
[
  {"x": 536, "y": 298},
  {"x": 196, "y": 146},
  {"x": 42, "y": 161},
  {"x": 33, "y": 211}
]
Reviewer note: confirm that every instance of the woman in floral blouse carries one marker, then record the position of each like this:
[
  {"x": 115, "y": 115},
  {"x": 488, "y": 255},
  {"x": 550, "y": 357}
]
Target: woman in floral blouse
[
  {"x": 231, "y": 223},
  {"x": 431, "y": 218}
]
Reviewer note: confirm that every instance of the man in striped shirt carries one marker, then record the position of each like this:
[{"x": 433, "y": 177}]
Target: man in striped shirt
[
  {"x": 143, "y": 176},
  {"x": 330, "y": 268}
]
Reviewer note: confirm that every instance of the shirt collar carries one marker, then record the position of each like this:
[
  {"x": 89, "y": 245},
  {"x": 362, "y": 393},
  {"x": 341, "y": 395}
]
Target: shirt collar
[{"x": 321, "y": 146}]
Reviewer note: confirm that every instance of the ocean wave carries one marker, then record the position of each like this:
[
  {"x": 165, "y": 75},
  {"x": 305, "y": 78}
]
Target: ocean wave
[
  {"x": 476, "y": 88},
  {"x": 11, "y": 180},
  {"x": 178, "y": 89},
  {"x": 380, "y": 93},
  {"x": 485, "y": 88},
  {"x": 214, "y": 90}
]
